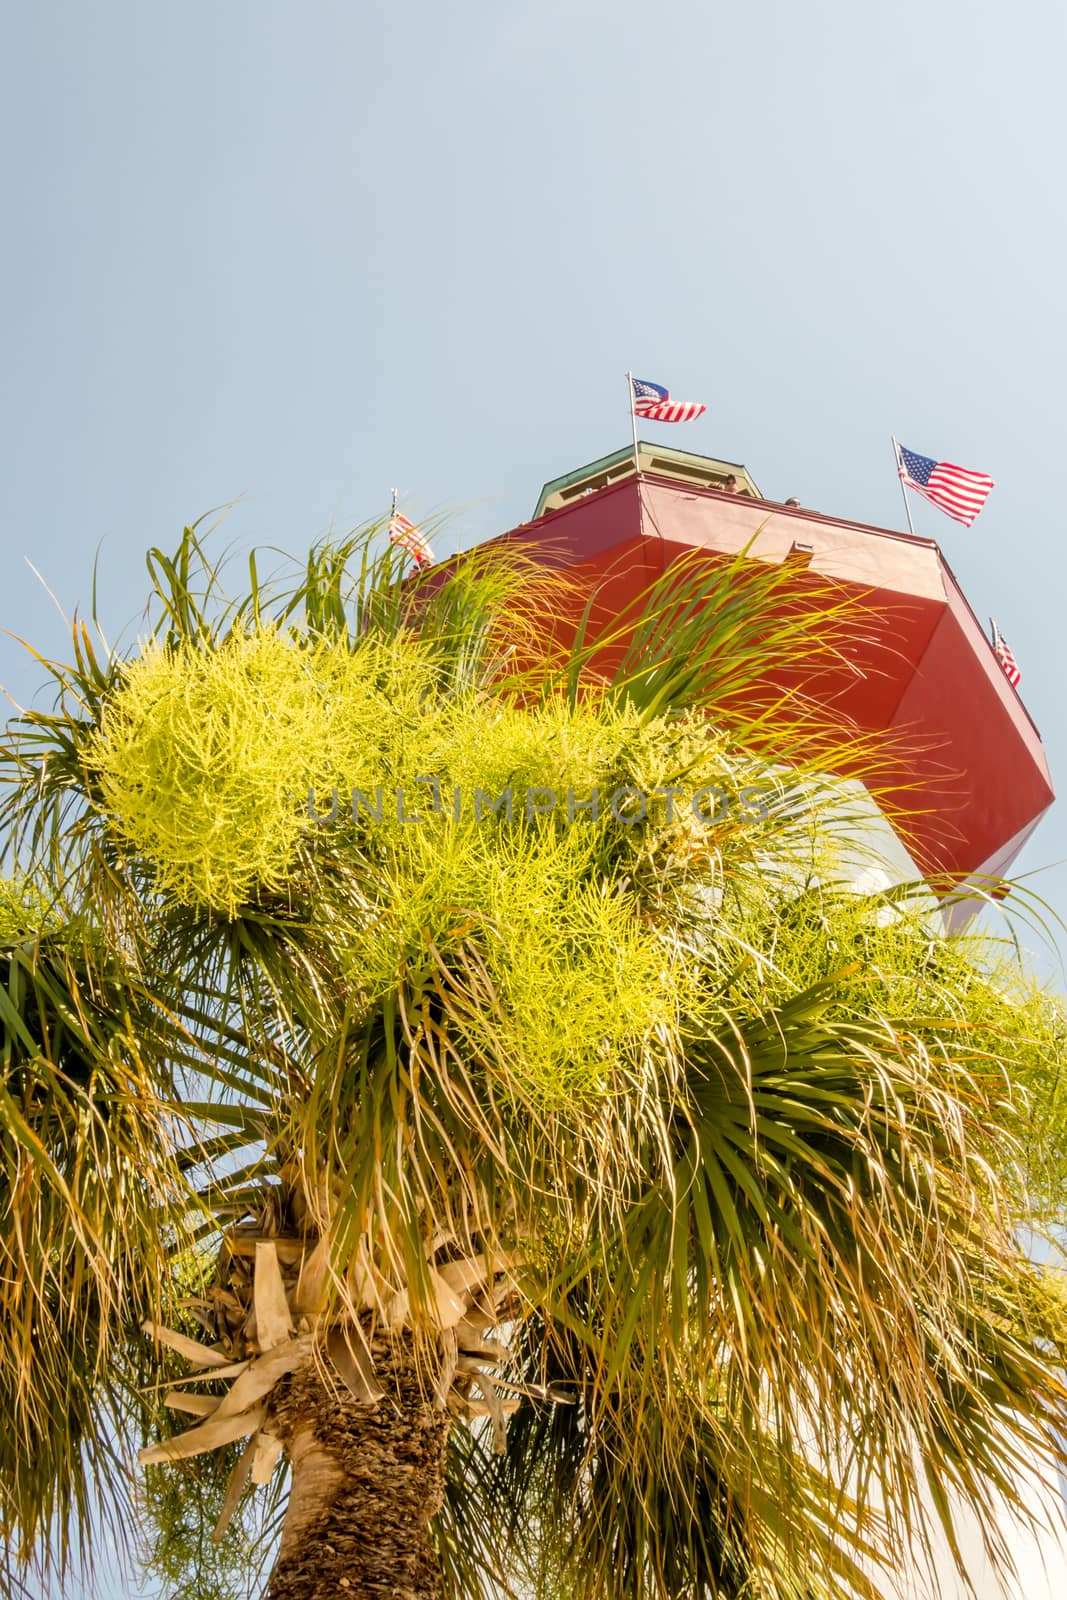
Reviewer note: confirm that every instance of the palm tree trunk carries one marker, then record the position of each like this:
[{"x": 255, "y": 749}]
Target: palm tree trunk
[{"x": 366, "y": 1480}]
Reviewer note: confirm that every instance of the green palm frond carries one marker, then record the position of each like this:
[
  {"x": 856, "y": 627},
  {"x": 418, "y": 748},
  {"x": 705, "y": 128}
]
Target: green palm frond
[{"x": 91, "y": 1197}]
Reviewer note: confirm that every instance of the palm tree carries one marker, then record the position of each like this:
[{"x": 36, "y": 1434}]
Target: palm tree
[{"x": 582, "y": 1187}]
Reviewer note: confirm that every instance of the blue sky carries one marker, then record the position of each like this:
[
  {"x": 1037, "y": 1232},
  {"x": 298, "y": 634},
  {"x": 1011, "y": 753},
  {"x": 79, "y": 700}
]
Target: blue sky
[{"x": 292, "y": 255}]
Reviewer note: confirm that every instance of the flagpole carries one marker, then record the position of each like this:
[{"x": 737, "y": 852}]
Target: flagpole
[
  {"x": 393, "y": 512},
  {"x": 633, "y": 419},
  {"x": 903, "y": 485}
]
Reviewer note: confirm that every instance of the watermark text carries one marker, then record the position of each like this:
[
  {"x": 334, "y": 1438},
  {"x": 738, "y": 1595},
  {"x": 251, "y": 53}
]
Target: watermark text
[{"x": 627, "y": 804}]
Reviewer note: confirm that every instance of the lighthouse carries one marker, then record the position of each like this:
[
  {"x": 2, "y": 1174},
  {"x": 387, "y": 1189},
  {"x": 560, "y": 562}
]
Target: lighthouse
[{"x": 959, "y": 764}]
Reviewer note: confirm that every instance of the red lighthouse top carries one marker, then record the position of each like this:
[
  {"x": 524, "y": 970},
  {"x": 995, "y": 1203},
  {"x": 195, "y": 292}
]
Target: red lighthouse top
[{"x": 965, "y": 761}]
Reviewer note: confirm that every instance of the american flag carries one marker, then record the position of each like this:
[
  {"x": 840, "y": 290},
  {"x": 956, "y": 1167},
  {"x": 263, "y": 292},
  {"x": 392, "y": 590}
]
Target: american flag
[
  {"x": 654, "y": 403},
  {"x": 408, "y": 537},
  {"x": 1003, "y": 654},
  {"x": 956, "y": 490}
]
